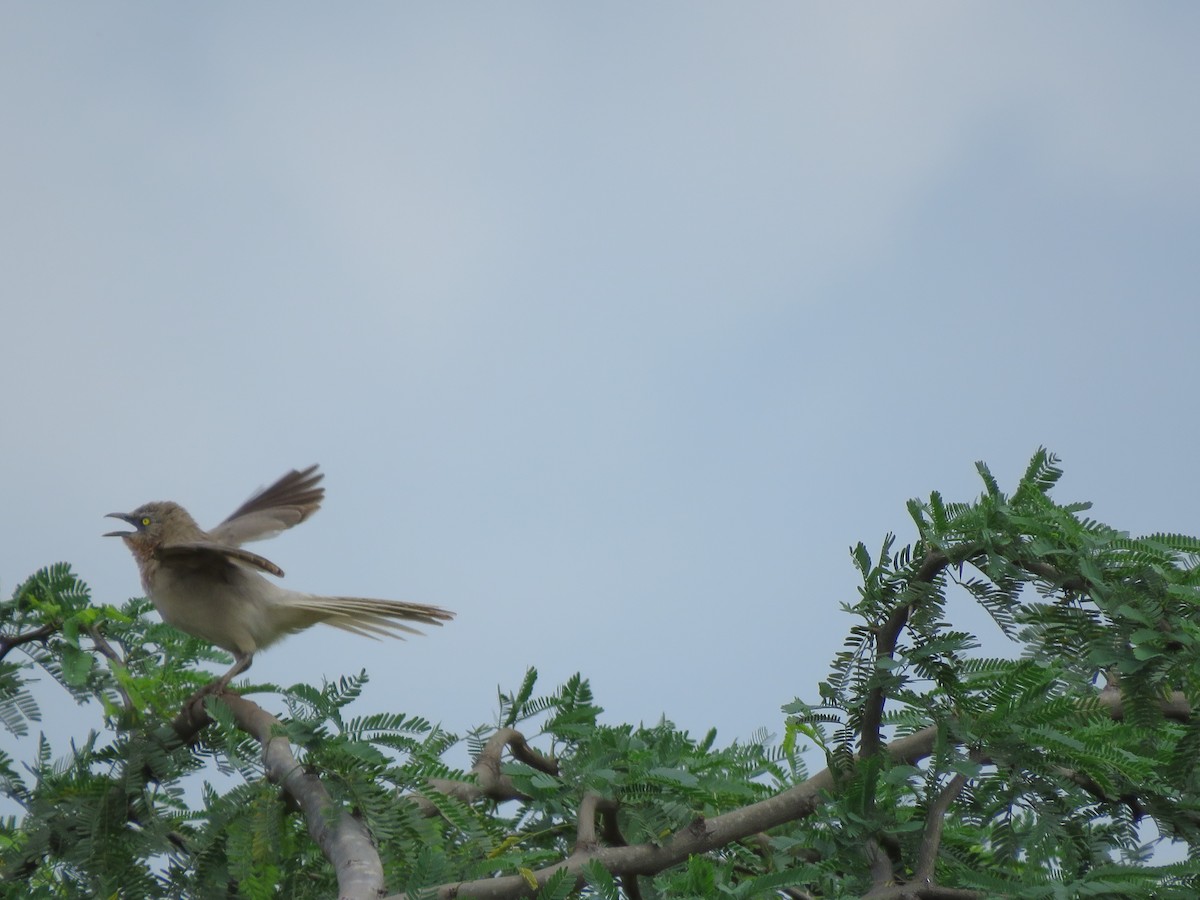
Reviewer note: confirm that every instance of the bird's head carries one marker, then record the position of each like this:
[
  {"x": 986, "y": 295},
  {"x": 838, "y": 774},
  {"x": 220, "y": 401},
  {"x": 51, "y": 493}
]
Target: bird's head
[{"x": 155, "y": 524}]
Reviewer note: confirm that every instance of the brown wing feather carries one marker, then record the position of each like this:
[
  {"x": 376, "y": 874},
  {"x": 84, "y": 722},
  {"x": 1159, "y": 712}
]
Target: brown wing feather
[
  {"x": 287, "y": 502},
  {"x": 205, "y": 555}
]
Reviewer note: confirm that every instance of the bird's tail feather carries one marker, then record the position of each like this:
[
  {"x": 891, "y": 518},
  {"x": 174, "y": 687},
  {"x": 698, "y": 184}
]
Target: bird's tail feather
[{"x": 367, "y": 617}]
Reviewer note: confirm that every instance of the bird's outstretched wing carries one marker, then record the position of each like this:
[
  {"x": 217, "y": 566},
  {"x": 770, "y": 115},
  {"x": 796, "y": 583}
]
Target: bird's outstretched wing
[
  {"x": 289, "y": 501},
  {"x": 211, "y": 558}
]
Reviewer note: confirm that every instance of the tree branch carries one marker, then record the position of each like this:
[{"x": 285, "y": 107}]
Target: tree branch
[
  {"x": 935, "y": 819},
  {"x": 343, "y": 839},
  {"x": 1175, "y": 707},
  {"x": 106, "y": 650},
  {"x": 924, "y": 892},
  {"x": 880, "y": 864},
  {"x": 886, "y": 638},
  {"x": 888, "y": 634},
  {"x": 490, "y": 780},
  {"x": 9, "y": 641},
  {"x": 585, "y": 834},
  {"x": 585, "y": 829}
]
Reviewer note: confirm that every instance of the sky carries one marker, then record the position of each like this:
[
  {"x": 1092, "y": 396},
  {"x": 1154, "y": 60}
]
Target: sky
[{"x": 613, "y": 325}]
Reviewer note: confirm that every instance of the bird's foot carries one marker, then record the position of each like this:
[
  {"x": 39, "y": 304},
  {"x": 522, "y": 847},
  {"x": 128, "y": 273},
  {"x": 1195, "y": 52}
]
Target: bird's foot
[{"x": 212, "y": 689}]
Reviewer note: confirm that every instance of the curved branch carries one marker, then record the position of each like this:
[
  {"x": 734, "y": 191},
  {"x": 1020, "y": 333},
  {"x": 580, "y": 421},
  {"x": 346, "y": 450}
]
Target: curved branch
[
  {"x": 886, "y": 639},
  {"x": 586, "y": 837},
  {"x": 888, "y": 635},
  {"x": 487, "y": 767},
  {"x": 490, "y": 781}
]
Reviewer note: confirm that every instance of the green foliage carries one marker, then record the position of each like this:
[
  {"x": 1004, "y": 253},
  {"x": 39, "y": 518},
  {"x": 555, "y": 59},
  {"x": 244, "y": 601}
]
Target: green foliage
[
  {"x": 1046, "y": 772},
  {"x": 1059, "y": 790},
  {"x": 119, "y": 814}
]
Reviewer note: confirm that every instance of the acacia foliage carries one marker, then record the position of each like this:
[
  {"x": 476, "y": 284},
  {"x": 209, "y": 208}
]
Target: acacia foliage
[{"x": 933, "y": 769}]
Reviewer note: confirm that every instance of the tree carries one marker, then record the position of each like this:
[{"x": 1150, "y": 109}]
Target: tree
[{"x": 942, "y": 773}]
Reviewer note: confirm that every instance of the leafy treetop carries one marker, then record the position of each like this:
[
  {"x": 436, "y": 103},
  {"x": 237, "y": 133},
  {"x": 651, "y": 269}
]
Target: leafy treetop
[{"x": 940, "y": 772}]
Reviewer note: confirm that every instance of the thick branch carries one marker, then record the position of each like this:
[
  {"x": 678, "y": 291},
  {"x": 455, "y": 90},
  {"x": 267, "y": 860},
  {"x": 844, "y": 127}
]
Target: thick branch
[
  {"x": 879, "y": 864},
  {"x": 586, "y": 838},
  {"x": 343, "y": 839},
  {"x": 924, "y": 892},
  {"x": 585, "y": 830},
  {"x": 1175, "y": 707}
]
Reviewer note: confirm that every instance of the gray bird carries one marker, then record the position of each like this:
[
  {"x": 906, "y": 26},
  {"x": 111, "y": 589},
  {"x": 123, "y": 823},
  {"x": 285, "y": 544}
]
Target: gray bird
[{"x": 204, "y": 583}]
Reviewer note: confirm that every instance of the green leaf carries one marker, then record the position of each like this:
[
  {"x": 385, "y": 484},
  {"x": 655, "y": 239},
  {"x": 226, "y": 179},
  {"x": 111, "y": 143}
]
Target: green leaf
[
  {"x": 516, "y": 704},
  {"x": 900, "y": 775},
  {"x": 558, "y": 886},
  {"x": 678, "y": 776},
  {"x": 544, "y": 781},
  {"x": 365, "y": 752},
  {"x": 76, "y": 665},
  {"x": 601, "y": 880}
]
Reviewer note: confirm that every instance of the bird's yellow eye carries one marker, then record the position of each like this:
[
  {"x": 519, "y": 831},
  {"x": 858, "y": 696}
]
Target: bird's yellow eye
[{"x": 145, "y": 520}]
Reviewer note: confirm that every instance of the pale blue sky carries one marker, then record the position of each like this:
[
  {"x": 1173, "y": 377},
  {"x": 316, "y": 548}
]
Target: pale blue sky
[{"x": 613, "y": 326}]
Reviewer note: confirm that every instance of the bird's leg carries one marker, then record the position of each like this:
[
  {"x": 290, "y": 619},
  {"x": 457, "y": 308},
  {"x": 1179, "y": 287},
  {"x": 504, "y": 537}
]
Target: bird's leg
[{"x": 241, "y": 662}]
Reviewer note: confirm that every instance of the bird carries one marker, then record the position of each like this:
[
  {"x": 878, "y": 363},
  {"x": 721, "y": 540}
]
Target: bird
[{"x": 206, "y": 584}]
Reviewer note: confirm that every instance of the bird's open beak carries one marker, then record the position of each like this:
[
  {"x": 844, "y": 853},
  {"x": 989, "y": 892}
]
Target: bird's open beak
[{"x": 124, "y": 517}]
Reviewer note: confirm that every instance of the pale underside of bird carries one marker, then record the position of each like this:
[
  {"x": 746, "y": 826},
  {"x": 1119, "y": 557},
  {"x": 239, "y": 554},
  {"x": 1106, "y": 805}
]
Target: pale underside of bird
[{"x": 208, "y": 585}]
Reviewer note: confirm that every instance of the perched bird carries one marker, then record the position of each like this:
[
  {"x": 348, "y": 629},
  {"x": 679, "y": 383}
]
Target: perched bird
[{"x": 204, "y": 583}]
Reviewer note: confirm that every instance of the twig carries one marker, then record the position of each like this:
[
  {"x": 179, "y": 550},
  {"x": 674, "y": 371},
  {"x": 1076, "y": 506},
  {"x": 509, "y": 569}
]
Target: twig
[
  {"x": 9, "y": 641},
  {"x": 106, "y": 650}
]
